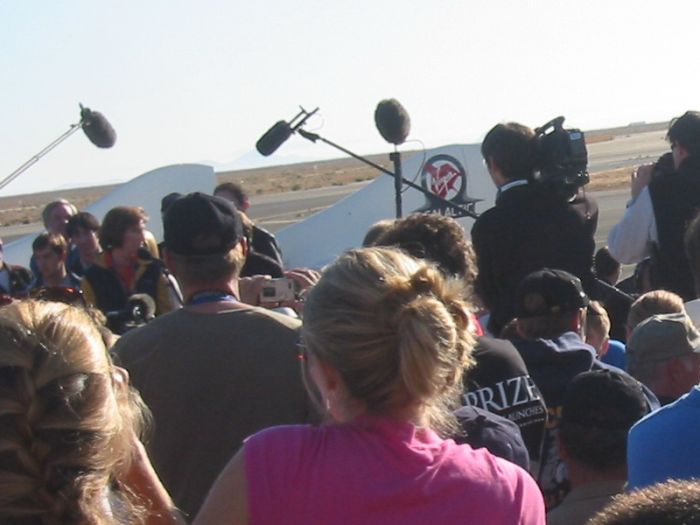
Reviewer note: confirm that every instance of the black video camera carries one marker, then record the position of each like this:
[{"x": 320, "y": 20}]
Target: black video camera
[{"x": 562, "y": 157}]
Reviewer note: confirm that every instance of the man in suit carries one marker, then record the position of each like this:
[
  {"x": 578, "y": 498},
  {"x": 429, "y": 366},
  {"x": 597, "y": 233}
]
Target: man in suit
[{"x": 532, "y": 226}]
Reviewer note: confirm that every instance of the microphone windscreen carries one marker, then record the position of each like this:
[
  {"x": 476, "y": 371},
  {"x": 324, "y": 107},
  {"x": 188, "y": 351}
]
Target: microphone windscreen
[
  {"x": 144, "y": 303},
  {"x": 273, "y": 138},
  {"x": 392, "y": 121},
  {"x": 97, "y": 128}
]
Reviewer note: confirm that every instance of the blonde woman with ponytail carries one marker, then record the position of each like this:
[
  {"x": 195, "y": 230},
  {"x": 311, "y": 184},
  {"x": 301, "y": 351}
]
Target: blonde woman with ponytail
[
  {"x": 385, "y": 341},
  {"x": 68, "y": 424}
]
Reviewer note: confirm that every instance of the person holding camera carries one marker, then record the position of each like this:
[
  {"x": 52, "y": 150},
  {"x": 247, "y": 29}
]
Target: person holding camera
[
  {"x": 532, "y": 225},
  {"x": 217, "y": 370},
  {"x": 660, "y": 210}
]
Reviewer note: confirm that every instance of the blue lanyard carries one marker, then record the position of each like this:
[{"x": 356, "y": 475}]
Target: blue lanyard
[{"x": 212, "y": 297}]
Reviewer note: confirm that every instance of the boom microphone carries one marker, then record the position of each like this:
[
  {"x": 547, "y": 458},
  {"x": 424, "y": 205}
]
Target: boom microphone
[
  {"x": 273, "y": 138},
  {"x": 392, "y": 121},
  {"x": 97, "y": 128}
]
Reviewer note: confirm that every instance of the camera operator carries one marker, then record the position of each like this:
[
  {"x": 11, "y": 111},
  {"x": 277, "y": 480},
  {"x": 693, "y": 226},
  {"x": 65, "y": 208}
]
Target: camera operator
[
  {"x": 534, "y": 224},
  {"x": 660, "y": 210}
]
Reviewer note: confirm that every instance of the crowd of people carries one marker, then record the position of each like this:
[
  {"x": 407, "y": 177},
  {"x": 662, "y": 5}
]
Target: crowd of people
[{"x": 426, "y": 376}]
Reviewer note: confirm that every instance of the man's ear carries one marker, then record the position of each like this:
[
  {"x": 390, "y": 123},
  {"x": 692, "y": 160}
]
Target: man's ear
[
  {"x": 245, "y": 248},
  {"x": 578, "y": 322}
]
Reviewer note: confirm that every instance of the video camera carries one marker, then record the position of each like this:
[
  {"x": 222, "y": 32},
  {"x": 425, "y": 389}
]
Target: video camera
[{"x": 562, "y": 157}]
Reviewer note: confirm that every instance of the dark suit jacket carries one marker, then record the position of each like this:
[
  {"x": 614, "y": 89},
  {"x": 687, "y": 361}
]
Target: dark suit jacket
[{"x": 529, "y": 228}]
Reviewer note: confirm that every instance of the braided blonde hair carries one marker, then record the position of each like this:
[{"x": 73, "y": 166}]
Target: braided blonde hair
[
  {"x": 396, "y": 330},
  {"x": 65, "y": 430}
]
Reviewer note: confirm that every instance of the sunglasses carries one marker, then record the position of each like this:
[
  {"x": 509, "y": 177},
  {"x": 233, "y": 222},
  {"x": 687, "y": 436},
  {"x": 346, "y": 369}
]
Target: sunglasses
[{"x": 60, "y": 294}]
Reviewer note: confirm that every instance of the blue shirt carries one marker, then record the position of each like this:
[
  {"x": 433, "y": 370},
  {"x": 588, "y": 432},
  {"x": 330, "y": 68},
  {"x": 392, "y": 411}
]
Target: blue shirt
[{"x": 666, "y": 443}]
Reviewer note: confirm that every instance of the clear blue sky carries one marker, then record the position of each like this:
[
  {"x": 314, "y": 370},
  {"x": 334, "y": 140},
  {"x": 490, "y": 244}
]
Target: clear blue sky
[{"x": 185, "y": 81}]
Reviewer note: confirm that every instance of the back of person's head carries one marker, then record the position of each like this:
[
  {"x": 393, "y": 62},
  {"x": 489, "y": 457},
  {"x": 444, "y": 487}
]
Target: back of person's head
[
  {"x": 598, "y": 410},
  {"x": 549, "y": 302},
  {"x": 692, "y": 250},
  {"x": 51, "y": 206},
  {"x": 376, "y": 231},
  {"x": 395, "y": 329},
  {"x": 597, "y": 327},
  {"x": 605, "y": 266},
  {"x": 82, "y": 220},
  {"x": 203, "y": 237},
  {"x": 235, "y": 193},
  {"x": 652, "y": 303},
  {"x": 439, "y": 239},
  {"x": 66, "y": 421},
  {"x": 52, "y": 241},
  {"x": 511, "y": 147},
  {"x": 115, "y": 224},
  {"x": 685, "y": 131},
  {"x": 674, "y": 502}
]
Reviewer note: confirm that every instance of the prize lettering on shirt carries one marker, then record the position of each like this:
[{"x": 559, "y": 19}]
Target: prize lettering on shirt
[
  {"x": 445, "y": 177},
  {"x": 516, "y": 398}
]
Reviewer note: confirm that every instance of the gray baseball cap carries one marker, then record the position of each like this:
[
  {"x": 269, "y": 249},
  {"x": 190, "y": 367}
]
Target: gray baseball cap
[{"x": 663, "y": 337}]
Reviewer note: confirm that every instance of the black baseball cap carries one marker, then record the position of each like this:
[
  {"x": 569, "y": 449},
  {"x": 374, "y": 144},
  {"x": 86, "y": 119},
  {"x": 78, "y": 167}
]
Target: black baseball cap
[
  {"x": 549, "y": 292},
  {"x": 604, "y": 399},
  {"x": 201, "y": 224}
]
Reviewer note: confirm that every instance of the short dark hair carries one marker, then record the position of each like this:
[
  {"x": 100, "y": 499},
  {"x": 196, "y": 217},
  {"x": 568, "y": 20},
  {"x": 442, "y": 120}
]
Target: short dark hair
[
  {"x": 604, "y": 264},
  {"x": 598, "y": 410},
  {"x": 669, "y": 503},
  {"x": 115, "y": 224},
  {"x": 54, "y": 241},
  {"x": 82, "y": 220},
  {"x": 375, "y": 231},
  {"x": 436, "y": 238},
  {"x": 239, "y": 194},
  {"x": 511, "y": 147},
  {"x": 685, "y": 131}
]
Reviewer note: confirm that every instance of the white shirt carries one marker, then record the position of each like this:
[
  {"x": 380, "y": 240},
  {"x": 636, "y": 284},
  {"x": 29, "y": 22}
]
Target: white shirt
[{"x": 632, "y": 238}]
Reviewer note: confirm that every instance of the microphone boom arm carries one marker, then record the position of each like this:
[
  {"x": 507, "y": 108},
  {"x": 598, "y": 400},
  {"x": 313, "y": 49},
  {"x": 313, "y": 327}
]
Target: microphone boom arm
[
  {"x": 12, "y": 176},
  {"x": 313, "y": 137}
]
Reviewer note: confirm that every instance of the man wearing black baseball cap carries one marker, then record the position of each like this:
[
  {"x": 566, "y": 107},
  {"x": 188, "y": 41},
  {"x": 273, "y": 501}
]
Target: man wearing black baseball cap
[
  {"x": 550, "y": 321},
  {"x": 217, "y": 370}
]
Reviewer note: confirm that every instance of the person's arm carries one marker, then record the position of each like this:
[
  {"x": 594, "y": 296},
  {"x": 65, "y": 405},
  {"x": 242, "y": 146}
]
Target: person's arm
[
  {"x": 227, "y": 501},
  {"x": 631, "y": 239},
  {"x": 143, "y": 481}
]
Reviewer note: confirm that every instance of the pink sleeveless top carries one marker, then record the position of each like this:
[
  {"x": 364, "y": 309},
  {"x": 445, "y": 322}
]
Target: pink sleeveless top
[{"x": 383, "y": 472}]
